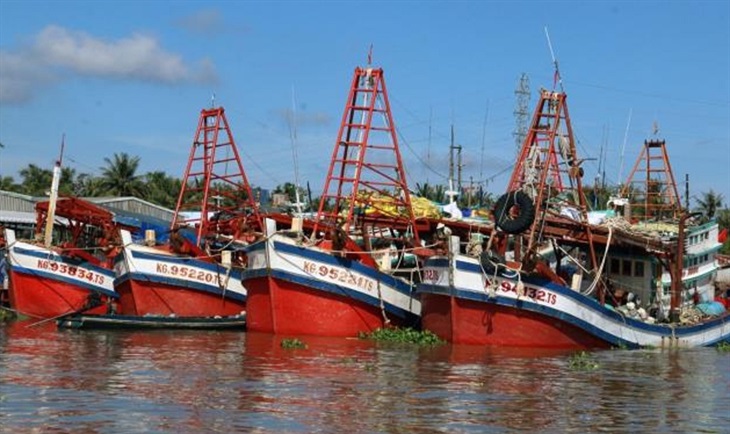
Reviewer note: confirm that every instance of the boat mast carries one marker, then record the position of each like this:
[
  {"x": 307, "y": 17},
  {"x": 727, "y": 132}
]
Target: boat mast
[
  {"x": 51, "y": 216},
  {"x": 653, "y": 196},
  {"x": 548, "y": 173},
  {"x": 223, "y": 199},
  {"x": 366, "y": 180},
  {"x": 293, "y": 135}
]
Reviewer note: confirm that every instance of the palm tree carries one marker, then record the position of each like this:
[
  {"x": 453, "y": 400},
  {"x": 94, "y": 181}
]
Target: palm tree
[
  {"x": 431, "y": 192},
  {"x": 67, "y": 181},
  {"x": 36, "y": 181},
  {"x": 709, "y": 204},
  {"x": 120, "y": 177},
  {"x": 88, "y": 185},
  {"x": 723, "y": 218},
  {"x": 162, "y": 189},
  {"x": 7, "y": 183}
]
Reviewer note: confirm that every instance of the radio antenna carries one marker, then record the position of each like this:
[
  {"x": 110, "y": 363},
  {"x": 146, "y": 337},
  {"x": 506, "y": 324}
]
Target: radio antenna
[{"x": 557, "y": 79}]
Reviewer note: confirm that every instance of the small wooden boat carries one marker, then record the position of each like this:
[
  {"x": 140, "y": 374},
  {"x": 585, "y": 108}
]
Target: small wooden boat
[{"x": 123, "y": 322}]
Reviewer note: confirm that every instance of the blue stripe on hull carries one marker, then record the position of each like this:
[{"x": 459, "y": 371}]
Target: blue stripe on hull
[
  {"x": 524, "y": 304},
  {"x": 211, "y": 289},
  {"x": 331, "y": 288},
  {"x": 326, "y": 258},
  {"x": 108, "y": 274}
]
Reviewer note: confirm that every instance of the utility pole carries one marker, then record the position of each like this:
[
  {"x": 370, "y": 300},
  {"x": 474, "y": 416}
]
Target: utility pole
[
  {"x": 458, "y": 167},
  {"x": 451, "y": 156},
  {"x": 453, "y": 147},
  {"x": 522, "y": 113}
]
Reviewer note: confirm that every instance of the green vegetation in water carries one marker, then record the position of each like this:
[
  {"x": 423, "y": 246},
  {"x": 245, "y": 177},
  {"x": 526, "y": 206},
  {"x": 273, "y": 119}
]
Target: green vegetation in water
[
  {"x": 292, "y": 344},
  {"x": 583, "y": 361},
  {"x": 620, "y": 346},
  {"x": 6, "y": 315},
  {"x": 403, "y": 335},
  {"x": 723, "y": 347}
]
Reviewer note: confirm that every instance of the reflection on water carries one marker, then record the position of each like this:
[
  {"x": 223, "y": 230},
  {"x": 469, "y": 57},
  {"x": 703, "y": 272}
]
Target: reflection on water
[{"x": 193, "y": 381}]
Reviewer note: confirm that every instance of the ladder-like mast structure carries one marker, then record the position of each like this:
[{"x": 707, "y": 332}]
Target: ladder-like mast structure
[
  {"x": 654, "y": 195},
  {"x": 215, "y": 196},
  {"x": 366, "y": 181},
  {"x": 548, "y": 170}
]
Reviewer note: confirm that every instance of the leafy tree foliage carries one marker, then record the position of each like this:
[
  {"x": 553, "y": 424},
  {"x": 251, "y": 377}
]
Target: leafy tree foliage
[
  {"x": 7, "y": 183},
  {"x": 120, "y": 177},
  {"x": 162, "y": 189},
  {"x": 709, "y": 204}
]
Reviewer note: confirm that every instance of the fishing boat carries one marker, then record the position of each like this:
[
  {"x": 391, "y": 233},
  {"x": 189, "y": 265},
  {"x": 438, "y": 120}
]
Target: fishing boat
[
  {"x": 126, "y": 322},
  {"x": 198, "y": 273},
  {"x": 356, "y": 270},
  {"x": 49, "y": 279},
  {"x": 549, "y": 275}
]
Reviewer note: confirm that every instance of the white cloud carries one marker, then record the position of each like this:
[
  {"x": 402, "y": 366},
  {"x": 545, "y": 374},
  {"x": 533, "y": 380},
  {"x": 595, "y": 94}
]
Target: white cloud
[
  {"x": 57, "y": 51},
  {"x": 205, "y": 22},
  {"x": 303, "y": 118},
  {"x": 20, "y": 76},
  {"x": 209, "y": 22}
]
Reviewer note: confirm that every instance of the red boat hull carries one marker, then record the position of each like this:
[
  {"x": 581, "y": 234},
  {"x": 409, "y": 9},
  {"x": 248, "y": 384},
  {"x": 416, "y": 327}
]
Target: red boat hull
[
  {"x": 462, "y": 321},
  {"x": 283, "y": 307},
  {"x": 150, "y": 298},
  {"x": 42, "y": 297}
]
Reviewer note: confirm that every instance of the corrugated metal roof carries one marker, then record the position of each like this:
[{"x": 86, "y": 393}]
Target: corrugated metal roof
[
  {"x": 17, "y": 217},
  {"x": 17, "y": 202}
]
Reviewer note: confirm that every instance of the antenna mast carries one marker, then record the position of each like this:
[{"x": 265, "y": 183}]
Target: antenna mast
[
  {"x": 557, "y": 79},
  {"x": 293, "y": 134},
  {"x": 623, "y": 147},
  {"x": 522, "y": 111},
  {"x": 51, "y": 216}
]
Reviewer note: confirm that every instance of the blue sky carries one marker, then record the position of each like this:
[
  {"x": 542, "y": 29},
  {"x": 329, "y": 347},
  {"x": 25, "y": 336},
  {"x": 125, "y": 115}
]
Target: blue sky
[{"x": 132, "y": 77}]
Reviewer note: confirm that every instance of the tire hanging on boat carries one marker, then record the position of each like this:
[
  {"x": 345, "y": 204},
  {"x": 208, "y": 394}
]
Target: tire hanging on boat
[
  {"x": 490, "y": 261},
  {"x": 514, "y": 212}
]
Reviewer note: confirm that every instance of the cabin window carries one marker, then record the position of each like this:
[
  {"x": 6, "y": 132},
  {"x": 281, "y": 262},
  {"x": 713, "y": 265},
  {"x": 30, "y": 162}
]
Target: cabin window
[
  {"x": 615, "y": 266},
  {"x": 626, "y": 267},
  {"x": 638, "y": 269}
]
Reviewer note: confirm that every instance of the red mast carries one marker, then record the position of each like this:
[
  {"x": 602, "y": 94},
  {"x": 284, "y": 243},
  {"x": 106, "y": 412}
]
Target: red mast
[
  {"x": 215, "y": 184},
  {"x": 653, "y": 196},
  {"x": 548, "y": 170},
  {"x": 366, "y": 180}
]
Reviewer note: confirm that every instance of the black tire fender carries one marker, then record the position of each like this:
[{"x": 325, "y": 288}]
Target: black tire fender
[
  {"x": 514, "y": 212},
  {"x": 490, "y": 261}
]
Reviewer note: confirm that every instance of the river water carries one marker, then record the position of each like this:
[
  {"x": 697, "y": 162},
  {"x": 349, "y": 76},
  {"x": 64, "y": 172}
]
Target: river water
[{"x": 201, "y": 381}]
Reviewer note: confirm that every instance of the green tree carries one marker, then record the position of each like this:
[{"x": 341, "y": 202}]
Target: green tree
[
  {"x": 88, "y": 186},
  {"x": 431, "y": 192},
  {"x": 597, "y": 196},
  {"x": 723, "y": 221},
  {"x": 162, "y": 189},
  {"x": 723, "y": 218},
  {"x": 709, "y": 204},
  {"x": 289, "y": 189},
  {"x": 7, "y": 183},
  {"x": 66, "y": 185},
  {"x": 120, "y": 178},
  {"x": 35, "y": 180}
]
